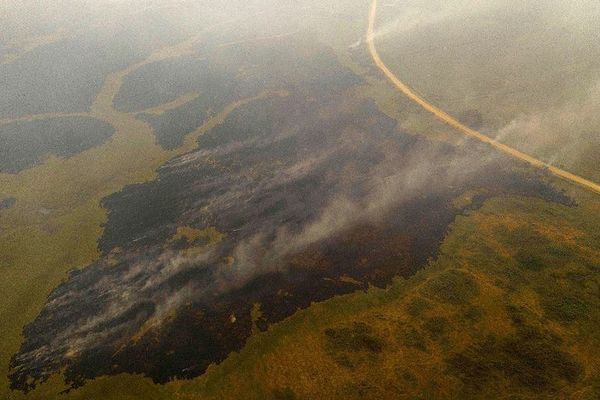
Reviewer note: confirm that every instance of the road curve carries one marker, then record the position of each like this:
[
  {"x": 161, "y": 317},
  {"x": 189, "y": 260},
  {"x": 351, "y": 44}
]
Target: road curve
[{"x": 453, "y": 122}]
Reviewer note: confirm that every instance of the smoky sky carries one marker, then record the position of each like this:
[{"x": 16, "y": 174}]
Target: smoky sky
[{"x": 530, "y": 68}]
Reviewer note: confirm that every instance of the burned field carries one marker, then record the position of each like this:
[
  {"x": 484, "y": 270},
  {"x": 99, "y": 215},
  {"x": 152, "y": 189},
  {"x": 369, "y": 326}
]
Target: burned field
[
  {"x": 25, "y": 143},
  {"x": 291, "y": 200}
]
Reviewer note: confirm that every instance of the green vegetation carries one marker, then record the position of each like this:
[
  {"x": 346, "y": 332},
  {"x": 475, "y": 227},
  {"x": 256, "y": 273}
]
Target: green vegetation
[
  {"x": 452, "y": 287},
  {"x": 414, "y": 338},
  {"x": 567, "y": 308},
  {"x": 356, "y": 338},
  {"x": 528, "y": 359},
  {"x": 416, "y": 307},
  {"x": 284, "y": 394},
  {"x": 436, "y": 327},
  {"x": 186, "y": 236}
]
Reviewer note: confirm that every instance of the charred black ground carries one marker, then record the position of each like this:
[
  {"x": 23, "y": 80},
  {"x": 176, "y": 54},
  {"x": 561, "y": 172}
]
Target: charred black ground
[
  {"x": 25, "y": 143},
  {"x": 314, "y": 194}
]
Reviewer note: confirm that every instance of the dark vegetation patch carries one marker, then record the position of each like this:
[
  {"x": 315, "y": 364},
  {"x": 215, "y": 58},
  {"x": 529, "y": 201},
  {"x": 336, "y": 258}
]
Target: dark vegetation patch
[
  {"x": 343, "y": 344},
  {"x": 411, "y": 337},
  {"x": 509, "y": 278},
  {"x": 436, "y": 327},
  {"x": 284, "y": 393},
  {"x": 561, "y": 250},
  {"x": 530, "y": 260},
  {"x": 409, "y": 377},
  {"x": 416, "y": 306},
  {"x": 358, "y": 337},
  {"x": 452, "y": 287},
  {"x": 7, "y": 202},
  {"x": 577, "y": 277},
  {"x": 472, "y": 314},
  {"x": 530, "y": 358},
  {"x": 536, "y": 252},
  {"x": 593, "y": 266},
  {"x": 565, "y": 307},
  {"x": 517, "y": 315},
  {"x": 356, "y": 389},
  {"x": 533, "y": 254},
  {"x": 23, "y": 144}
]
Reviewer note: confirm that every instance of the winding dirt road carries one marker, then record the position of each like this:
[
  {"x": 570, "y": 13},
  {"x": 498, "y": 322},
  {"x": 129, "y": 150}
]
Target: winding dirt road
[{"x": 453, "y": 122}]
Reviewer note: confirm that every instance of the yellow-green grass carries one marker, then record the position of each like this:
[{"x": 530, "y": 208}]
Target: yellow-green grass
[{"x": 190, "y": 235}]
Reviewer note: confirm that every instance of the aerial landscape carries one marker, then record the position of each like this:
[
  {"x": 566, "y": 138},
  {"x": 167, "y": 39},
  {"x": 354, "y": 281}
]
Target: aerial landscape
[{"x": 283, "y": 199}]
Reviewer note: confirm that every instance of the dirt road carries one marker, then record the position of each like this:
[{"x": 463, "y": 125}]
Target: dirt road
[{"x": 453, "y": 122}]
